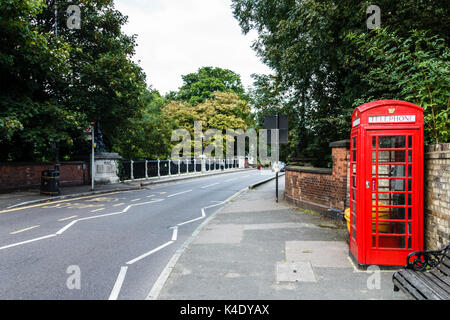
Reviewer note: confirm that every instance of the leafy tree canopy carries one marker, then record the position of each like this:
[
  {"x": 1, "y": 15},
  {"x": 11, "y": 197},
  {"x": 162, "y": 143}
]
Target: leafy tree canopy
[{"x": 199, "y": 86}]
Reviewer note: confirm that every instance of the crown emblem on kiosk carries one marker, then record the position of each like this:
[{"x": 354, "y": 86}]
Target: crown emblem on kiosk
[{"x": 391, "y": 110}]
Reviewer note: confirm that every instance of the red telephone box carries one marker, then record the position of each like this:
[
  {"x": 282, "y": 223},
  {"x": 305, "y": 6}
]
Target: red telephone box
[{"x": 386, "y": 182}]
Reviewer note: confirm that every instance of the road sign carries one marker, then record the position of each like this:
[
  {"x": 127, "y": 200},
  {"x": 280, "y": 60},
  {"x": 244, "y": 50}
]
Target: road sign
[{"x": 279, "y": 122}]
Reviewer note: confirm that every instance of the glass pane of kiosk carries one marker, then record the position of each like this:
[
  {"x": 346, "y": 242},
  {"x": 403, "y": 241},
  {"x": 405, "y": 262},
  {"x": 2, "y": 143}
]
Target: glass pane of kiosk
[{"x": 391, "y": 187}]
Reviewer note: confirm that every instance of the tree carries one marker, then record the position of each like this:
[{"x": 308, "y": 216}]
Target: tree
[
  {"x": 415, "y": 69},
  {"x": 305, "y": 43},
  {"x": 225, "y": 110},
  {"x": 199, "y": 86},
  {"x": 32, "y": 64},
  {"x": 146, "y": 136},
  {"x": 54, "y": 85},
  {"x": 104, "y": 83}
]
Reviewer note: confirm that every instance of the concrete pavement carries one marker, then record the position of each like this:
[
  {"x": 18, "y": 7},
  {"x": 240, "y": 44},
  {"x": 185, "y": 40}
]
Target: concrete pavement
[{"x": 255, "y": 248}]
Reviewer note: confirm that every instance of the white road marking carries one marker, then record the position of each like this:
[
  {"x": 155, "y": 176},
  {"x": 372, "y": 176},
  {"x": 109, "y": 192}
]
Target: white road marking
[
  {"x": 175, "y": 233},
  {"x": 28, "y": 241},
  {"x": 64, "y": 219},
  {"x": 230, "y": 180},
  {"x": 209, "y": 185},
  {"x": 176, "y": 194},
  {"x": 118, "y": 285},
  {"x": 135, "y": 199},
  {"x": 150, "y": 252},
  {"x": 152, "y": 195},
  {"x": 100, "y": 209},
  {"x": 25, "y": 229}
]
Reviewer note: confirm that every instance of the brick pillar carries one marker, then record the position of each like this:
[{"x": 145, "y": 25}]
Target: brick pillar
[{"x": 340, "y": 151}]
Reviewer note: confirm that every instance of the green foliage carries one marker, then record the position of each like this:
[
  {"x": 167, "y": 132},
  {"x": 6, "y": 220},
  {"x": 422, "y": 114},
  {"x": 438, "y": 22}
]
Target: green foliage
[
  {"x": 148, "y": 135},
  {"x": 199, "y": 86},
  {"x": 225, "y": 110},
  {"x": 316, "y": 78},
  {"x": 415, "y": 69},
  {"x": 53, "y": 86}
]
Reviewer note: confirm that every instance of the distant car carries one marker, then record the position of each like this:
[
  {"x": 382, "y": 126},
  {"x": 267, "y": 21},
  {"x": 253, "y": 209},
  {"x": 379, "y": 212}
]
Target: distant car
[{"x": 278, "y": 164}]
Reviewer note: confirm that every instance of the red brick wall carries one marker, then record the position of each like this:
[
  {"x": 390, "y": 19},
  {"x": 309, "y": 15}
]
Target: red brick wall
[
  {"x": 16, "y": 176},
  {"x": 325, "y": 188}
]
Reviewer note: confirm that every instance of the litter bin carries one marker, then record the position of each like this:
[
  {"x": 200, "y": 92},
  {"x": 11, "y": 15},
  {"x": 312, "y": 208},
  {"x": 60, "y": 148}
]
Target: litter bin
[{"x": 50, "y": 182}]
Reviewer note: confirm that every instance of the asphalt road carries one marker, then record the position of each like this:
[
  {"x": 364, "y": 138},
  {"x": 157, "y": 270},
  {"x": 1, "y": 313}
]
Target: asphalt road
[{"x": 112, "y": 246}]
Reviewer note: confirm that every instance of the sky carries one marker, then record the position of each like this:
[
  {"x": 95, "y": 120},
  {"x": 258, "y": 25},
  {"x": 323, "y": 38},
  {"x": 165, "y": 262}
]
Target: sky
[{"x": 177, "y": 37}]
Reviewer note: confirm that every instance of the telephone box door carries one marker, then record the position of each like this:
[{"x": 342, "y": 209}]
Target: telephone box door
[{"x": 392, "y": 205}]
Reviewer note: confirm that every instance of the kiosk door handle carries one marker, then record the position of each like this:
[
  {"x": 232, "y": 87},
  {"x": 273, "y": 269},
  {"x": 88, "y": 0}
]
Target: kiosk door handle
[{"x": 367, "y": 184}]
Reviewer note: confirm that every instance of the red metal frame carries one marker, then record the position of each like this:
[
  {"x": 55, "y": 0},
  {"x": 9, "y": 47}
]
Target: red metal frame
[{"x": 386, "y": 182}]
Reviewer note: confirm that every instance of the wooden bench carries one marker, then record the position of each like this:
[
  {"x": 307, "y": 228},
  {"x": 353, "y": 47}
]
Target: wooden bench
[{"x": 426, "y": 275}]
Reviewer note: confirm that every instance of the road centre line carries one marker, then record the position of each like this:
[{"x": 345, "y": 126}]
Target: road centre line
[
  {"x": 178, "y": 193},
  {"x": 118, "y": 204},
  {"x": 230, "y": 179},
  {"x": 25, "y": 229},
  {"x": 118, "y": 284},
  {"x": 209, "y": 185},
  {"x": 100, "y": 209},
  {"x": 68, "y": 218},
  {"x": 135, "y": 199}
]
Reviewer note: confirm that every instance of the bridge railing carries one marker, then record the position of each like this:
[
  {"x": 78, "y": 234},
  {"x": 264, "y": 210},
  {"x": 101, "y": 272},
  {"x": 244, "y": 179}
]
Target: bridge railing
[{"x": 161, "y": 167}]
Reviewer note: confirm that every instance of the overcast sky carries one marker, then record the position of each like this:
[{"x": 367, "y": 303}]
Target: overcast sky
[{"x": 176, "y": 37}]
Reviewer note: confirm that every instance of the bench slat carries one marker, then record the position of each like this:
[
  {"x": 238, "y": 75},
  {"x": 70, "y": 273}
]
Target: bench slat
[
  {"x": 441, "y": 276},
  {"x": 434, "y": 282},
  {"x": 446, "y": 260},
  {"x": 444, "y": 269},
  {"x": 422, "y": 287},
  {"x": 404, "y": 285}
]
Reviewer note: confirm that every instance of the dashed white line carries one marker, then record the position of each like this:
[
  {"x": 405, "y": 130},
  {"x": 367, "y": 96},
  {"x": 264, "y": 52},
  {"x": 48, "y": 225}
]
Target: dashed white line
[
  {"x": 118, "y": 285},
  {"x": 68, "y": 218},
  {"x": 209, "y": 185},
  {"x": 26, "y": 229},
  {"x": 100, "y": 209},
  {"x": 178, "y": 193},
  {"x": 118, "y": 204}
]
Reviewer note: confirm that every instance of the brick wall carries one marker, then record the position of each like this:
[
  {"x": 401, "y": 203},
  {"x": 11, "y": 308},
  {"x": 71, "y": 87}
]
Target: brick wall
[
  {"x": 437, "y": 196},
  {"x": 321, "y": 187},
  {"x": 21, "y": 176}
]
